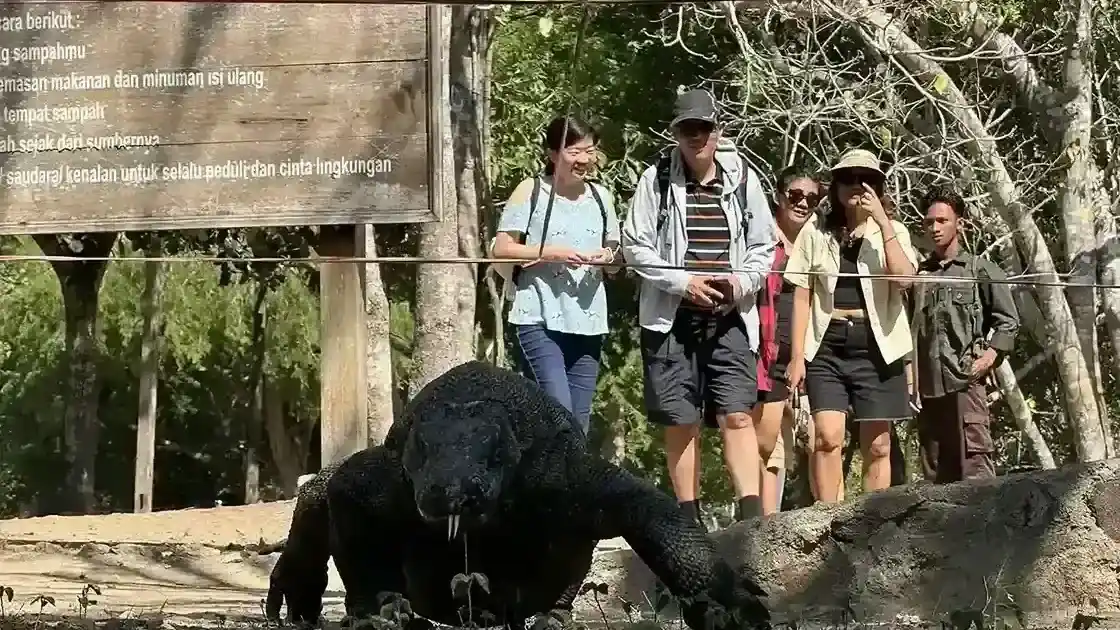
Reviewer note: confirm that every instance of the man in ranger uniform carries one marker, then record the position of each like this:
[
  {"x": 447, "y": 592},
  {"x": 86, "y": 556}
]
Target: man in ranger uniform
[{"x": 962, "y": 330}]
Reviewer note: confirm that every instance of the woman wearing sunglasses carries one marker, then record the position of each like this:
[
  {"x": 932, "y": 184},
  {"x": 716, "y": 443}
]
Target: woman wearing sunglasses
[
  {"x": 798, "y": 195},
  {"x": 850, "y": 333}
]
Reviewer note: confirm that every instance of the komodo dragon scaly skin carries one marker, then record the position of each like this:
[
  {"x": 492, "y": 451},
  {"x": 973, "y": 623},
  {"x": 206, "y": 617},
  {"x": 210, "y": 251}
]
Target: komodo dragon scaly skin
[{"x": 483, "y": 457}]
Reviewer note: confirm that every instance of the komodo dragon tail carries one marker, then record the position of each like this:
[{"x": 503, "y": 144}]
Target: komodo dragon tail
[{"x": 300, "y": 573}]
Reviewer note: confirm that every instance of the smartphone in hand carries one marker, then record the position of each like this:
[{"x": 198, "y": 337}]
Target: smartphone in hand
[{"x": 726, "y": 289}]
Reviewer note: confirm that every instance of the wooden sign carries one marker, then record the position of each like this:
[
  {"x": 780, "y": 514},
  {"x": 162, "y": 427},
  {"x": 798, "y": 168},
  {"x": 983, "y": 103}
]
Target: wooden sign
[{"x": 140, "y": 115}]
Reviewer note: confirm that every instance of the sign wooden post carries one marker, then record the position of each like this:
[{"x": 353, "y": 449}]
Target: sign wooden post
[{"x": 154, "y": 115}]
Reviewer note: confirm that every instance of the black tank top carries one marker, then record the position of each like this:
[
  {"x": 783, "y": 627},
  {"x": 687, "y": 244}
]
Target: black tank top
[{"x": 849, "y": 294}]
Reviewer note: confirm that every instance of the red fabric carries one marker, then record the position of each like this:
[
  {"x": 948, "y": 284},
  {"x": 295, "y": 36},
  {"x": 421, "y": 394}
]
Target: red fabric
[{"x": 767, "y": 318}]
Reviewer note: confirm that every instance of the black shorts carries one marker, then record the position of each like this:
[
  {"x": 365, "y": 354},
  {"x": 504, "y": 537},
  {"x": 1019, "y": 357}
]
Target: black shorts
[
  {"x": 701, "y": 369},
  {"x": 848, "y": 372},
  {"x": 779, "y": 390}
]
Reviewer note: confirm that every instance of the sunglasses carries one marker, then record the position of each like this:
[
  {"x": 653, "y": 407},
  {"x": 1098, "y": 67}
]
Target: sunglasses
[
  {"x": 856, "y": 178},
  {"x": 695, "y": 127},
  {"x": 796, "y": 196}
]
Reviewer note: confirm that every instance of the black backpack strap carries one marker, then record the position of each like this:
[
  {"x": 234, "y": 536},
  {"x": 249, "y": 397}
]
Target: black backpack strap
[
  {"x": 602, "y": 208},
  {"x": 741, "y": 195},
  {"x": 663, "y": 176},
  {"x": 528, "y": 224}
]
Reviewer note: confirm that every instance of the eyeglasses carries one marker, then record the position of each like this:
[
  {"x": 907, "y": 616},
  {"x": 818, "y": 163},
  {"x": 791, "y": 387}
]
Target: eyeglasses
[{"x": 796, "y": 196}]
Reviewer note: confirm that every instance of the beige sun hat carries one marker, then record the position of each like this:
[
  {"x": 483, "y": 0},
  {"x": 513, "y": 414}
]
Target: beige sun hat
[{"x": 858, "y": 158}]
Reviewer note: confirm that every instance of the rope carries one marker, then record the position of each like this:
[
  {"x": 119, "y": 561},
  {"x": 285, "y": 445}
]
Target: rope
[{"x": 1019, "y": 279}]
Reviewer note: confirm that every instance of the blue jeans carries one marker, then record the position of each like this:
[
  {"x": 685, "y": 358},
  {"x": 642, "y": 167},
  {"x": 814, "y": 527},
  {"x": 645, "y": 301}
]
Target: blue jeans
[{"x": 564, "y": 365}]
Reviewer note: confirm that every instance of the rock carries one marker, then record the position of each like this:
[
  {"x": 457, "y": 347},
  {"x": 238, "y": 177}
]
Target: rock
[{"x": 1035, "y": 549}]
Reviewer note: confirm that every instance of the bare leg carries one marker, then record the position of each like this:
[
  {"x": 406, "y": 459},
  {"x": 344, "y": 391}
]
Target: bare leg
[
  {"x": 740, "y": 453},
  {"x": 682, "y": 449},
  {"x": 768, "y": 425},
  {"x": 774, "y": 465},
  {"x": 875, "y": 444},
  {"x": 828, "y": 445}
]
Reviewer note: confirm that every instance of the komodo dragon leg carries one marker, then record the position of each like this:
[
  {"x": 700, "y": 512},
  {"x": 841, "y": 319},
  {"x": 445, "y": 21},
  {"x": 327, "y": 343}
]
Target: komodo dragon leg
[
  {"x": 369, "y": 512},
  {"x": 673, "y": 546}
]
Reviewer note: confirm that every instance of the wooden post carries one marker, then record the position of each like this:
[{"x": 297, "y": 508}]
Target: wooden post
[
  {"x": 343, "y": 345},
  {"x": 152, "y": 313}
]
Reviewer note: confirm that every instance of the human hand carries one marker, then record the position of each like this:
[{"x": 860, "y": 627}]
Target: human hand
[
  {"x": 700, "y": 292},
  {"x": 604, "y": 256},
  {"x": 795, "y": 374},
  {"x": 728, "y": 287},
  {"x": 981, "y": 366},
  {"x": 563, "y": 253},
  {"x": 874, "y": 206}
]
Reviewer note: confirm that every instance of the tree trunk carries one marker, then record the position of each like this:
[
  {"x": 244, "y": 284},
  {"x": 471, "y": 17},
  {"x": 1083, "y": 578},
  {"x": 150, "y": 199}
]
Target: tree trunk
[
  {"x": 151, "y": 308},
  {"x": 80, "y": 283},
  {"x": 1032, "y": 547},
  {"x": 446, "y": 294},
  {"x": 289, "y": 451},
  {"x": 255, "y": 426},
  {"x": 379, "y": 358},
  {"x": 1075, "y": 197},
  {"x": 1092, "y": 436},
  {"x": 1065, "y": 122},
  {"x": 1021, "y": 412}
]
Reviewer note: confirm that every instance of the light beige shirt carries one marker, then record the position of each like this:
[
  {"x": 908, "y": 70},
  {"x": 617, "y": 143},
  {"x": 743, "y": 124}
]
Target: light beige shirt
[{"x": 816, "y": 252}]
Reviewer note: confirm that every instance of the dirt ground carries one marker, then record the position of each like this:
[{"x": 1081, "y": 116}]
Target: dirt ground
[
  {"x": 176, "y": 569},
  {"x": 179, "y": 563}
]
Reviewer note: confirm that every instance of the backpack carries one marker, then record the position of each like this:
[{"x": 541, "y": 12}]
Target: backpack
[
  {"x": 511, "y": 273},
  {"x": 663, "y": 177}
]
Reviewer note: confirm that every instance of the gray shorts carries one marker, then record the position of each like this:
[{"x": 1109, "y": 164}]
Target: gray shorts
[{"x": 701, "y": 369}]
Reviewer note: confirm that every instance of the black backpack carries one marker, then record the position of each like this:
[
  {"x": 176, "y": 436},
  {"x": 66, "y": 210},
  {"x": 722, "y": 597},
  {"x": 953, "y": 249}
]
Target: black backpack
[
  {"x": 548, "y": 215},
  {"x": 663, "y": 177}
]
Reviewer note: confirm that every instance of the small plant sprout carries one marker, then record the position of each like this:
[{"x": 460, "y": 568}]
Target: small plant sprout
[
  {"x": 43, "y": 601},
  {"x": 84, "y": 601},
  {"x": 6, "y": 592},
  {"x": 461, "y": 590},
  {"x": 596, "y": 589}
]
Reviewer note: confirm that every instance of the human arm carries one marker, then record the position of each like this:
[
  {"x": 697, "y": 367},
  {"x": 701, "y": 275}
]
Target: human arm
[
  {"x": 899, "y": 251},
  {"x": 1001, "y": 317},
  {"x": 611, "y": 251},
  {"x": 760, "y": 239},
  {"x": 797, "y": 267},
  {"x": 514, "y": 222},
  {"x": 639, "y": 239},
  {"x": 900, "y": 257}
]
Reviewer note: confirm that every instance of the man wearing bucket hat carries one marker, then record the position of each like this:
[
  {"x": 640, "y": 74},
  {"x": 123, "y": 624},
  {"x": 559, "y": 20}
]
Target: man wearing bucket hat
[
  {"x": 851, "y": 334},
  {"x": 701, "y": 210}
]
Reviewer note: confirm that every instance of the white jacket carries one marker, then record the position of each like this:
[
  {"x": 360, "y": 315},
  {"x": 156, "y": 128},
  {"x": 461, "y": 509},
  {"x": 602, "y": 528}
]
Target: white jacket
[{"x": 752, "y": 249}]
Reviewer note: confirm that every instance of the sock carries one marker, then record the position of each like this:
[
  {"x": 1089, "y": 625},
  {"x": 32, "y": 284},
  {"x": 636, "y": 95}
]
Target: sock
[
  {"x": 749, "y": 507},
  {"x": 691, "y": 509}
]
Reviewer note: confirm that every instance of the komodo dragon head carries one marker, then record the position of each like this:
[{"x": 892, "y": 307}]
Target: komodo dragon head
[{"x": 459, "y": 457}]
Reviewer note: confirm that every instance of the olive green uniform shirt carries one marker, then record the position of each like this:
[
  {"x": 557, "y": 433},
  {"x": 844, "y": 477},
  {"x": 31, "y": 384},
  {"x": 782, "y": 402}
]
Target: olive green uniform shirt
[{"x": 955, "y": 322}]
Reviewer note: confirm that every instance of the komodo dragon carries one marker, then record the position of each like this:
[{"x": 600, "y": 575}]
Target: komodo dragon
[{"x": 482, "y": 458}]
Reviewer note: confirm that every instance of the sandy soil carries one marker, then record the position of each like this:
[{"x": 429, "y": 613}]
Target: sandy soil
[
  {"x": 180, "y": 563},
  {"x": 238, "y": 526},
  {"x": 183, "y": 569}
]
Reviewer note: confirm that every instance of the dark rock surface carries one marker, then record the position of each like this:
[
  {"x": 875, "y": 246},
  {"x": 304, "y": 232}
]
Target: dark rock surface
[{"x": 1035, "y": 547}]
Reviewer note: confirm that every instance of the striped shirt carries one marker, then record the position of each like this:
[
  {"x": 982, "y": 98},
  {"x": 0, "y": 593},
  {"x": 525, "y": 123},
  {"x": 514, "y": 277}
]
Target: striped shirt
[{"x": 709, "y": 236}]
